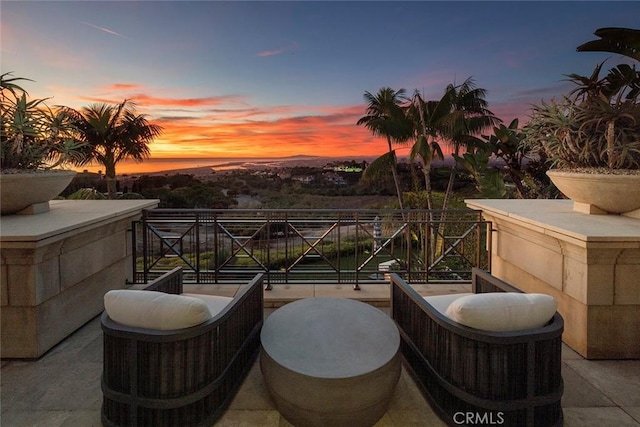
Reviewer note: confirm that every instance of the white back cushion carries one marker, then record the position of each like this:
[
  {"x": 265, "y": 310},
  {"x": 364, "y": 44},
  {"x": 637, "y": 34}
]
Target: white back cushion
[
  {"x": 503, "y": 311},
  {"x": 214, "y": 303},
  {"x": 442, "y": 302},
  {"x": 155, "y": 310}
]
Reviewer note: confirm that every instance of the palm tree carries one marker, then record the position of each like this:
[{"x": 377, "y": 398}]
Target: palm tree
[
  {"x": 624, "y": 41},
  {"x": 469, "y": 116},
  {"x": 385, "y": 117},
  {"x": 426, "y": 116},
  {"x": 454, "y": 119},
  {"x": 114, "y": 133}
]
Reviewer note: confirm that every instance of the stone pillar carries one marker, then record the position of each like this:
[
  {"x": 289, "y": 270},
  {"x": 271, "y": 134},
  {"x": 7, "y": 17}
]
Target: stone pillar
[
  {"x": 57, "y": 266},
  {"x": 589, "y": 263}
]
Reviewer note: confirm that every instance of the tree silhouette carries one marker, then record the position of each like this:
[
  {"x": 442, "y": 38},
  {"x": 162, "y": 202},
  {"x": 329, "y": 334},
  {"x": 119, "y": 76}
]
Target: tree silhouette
[{"x": 623, "y": 41}]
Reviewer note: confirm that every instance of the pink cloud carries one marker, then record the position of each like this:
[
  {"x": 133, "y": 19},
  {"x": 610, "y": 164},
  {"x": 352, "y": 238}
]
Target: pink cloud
[
  {"x": 42, "y": 51},
  {"x": 183, "y": 102},
  {"x": 155, "y": 101},
  {"x": 507, "y": 111},
  {"x": 270, "y": 52},
  {"x": 290, "y": 48}
]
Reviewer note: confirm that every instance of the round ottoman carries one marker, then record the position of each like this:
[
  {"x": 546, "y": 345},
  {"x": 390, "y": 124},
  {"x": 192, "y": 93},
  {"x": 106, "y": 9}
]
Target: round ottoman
[{"x": 330, "y": 362}]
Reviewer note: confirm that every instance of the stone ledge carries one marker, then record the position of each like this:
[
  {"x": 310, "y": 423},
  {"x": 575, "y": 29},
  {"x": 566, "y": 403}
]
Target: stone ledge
[
  {"x": 63, "y": 217},
  {"x": 558, "y": 217}
]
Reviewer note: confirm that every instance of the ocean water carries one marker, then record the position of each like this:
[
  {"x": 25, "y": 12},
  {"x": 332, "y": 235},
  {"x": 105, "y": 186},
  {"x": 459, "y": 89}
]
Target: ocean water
[
  {"x": 152, "y": 165},
  {"x": 218, "y": 164}
]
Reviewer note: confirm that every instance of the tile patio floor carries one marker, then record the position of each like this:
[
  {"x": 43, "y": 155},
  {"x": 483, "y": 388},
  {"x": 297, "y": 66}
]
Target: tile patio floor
[{"x": 62, "y": 388}]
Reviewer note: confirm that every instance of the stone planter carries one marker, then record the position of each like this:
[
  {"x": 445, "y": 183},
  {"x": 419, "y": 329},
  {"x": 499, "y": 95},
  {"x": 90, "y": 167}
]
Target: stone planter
[
  {"x": 30, "y": 192},
  {"x": 600, "y": 193}
]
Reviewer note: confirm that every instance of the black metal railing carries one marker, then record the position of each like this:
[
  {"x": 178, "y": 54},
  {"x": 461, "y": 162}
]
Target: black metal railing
[{"x": 311, "y": 246}]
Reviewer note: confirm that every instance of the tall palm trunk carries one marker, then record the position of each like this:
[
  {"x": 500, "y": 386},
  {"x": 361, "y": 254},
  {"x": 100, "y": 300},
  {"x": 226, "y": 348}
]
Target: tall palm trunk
[
  {"x": 394, "y": 173},
  {"x": 110, "y": 179},
  {"x": 439, "y": 241},
  {"x": 447, "y": 198},
  {"x": 426, "y": 160},
  {"x": 450, "y": 184},
  {"x": 427, "y": 163},
  {"x": 426, "y": 169}
]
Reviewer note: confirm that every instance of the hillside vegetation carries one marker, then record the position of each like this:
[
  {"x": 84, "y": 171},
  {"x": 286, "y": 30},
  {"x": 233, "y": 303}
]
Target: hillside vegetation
[{"x": 283, "y": 188}]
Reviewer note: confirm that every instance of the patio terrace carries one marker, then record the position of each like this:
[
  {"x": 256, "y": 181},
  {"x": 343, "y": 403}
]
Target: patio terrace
[{"x": 62, "y": 388}]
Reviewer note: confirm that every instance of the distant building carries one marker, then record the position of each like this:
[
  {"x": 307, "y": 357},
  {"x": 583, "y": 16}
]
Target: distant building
[
  {"x": 304, "y": 179},
  {"x": 348, "y": 169},
  {"x": 333, "y": 178},
  {"x": 284, "y": 174}
]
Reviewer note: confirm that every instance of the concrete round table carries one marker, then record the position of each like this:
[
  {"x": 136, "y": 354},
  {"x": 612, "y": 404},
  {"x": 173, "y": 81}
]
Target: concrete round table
[{"x": 330, "y": 362}]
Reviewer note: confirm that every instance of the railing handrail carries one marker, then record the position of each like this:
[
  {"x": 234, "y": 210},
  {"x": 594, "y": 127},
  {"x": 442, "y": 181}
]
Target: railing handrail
[{"x": 218, "y": 245}]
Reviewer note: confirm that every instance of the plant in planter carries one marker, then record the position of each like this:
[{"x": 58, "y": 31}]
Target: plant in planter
[
  {"x": 592, "y": 138},
  {"x": 35, "y": 139}
]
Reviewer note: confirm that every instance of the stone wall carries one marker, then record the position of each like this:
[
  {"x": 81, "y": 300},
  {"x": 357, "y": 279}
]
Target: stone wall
[
  {"x": 589, "y": 263},
  {"x": 56, "y": 268}
]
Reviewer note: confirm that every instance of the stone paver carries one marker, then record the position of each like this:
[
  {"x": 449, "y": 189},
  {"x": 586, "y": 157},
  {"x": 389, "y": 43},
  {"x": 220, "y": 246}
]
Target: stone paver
[
  {"x": 598, "y": 417},
  {"x": 62, "y": 388},
  {"x": 618, "y": 380}
]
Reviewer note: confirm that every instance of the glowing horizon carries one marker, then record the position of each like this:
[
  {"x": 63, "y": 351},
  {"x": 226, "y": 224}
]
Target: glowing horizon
[
  {"x": 276, "y": 79},
  {"x": 230, "y": 127}
]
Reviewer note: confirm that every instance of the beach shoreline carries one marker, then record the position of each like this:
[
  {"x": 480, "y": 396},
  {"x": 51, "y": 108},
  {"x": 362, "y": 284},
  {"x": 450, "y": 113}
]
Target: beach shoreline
[
  {"x": 201, "y": 167},
  {"x": 205, "y": 167}
]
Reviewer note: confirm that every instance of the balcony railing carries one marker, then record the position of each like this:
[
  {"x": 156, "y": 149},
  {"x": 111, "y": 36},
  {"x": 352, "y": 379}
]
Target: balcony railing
[{"x": 311, "y": 246}]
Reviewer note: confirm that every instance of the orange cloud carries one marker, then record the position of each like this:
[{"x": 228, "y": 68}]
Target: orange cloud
[
  {"x": 122, "y": 86},
  {"x": 333, "y": 134},
  {"x": 230, "y": 126}
]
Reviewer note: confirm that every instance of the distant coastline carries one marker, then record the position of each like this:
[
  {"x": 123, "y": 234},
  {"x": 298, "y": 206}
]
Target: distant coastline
[
  {"x": 216, "y": 164},
  {"x": 207, "y": 165}
]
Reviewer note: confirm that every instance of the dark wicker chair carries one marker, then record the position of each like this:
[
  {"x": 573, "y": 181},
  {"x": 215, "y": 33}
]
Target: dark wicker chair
[
  {"x": 184, "y": 377},
  {"x": 477, "y": 377}
]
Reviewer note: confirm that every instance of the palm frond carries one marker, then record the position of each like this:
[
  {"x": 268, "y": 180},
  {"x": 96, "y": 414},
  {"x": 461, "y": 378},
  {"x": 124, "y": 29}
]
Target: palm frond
[
  {"x": 380, "y": 166},
  {"x": 623, "y": 41}
]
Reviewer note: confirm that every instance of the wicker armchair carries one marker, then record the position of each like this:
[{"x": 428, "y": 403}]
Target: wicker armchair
[
  {"x": 478, "y": 377},
  {"x": 183, "y": 377}
]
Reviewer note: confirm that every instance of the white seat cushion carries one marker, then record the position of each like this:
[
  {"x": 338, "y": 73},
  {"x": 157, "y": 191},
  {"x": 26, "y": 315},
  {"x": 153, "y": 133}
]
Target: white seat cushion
[
  {"x": 442, "y": 302},
  {"x": 158, "y": 310},
  {"x": 503, "y": 311}
]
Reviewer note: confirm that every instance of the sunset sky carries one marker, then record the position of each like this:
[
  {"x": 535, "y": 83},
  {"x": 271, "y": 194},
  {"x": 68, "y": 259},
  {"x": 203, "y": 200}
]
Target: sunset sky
[{"x": 231, "y": 79}]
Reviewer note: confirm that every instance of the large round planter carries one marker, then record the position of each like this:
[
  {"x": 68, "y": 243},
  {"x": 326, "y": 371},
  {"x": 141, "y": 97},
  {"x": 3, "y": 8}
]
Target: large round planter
[
  {"x": 23, "y": 189},
  {"x": 610, "y": 193}
]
